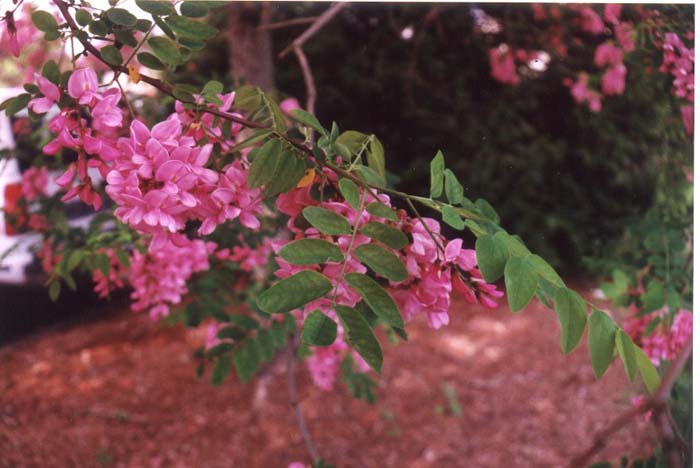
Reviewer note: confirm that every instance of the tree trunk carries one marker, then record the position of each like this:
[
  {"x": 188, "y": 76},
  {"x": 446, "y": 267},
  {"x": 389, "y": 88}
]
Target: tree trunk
[{"x": 250, "y": 49}]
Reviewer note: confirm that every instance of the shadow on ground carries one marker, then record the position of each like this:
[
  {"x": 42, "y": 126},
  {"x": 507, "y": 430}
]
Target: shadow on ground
[{"x": 123, "y": 392}]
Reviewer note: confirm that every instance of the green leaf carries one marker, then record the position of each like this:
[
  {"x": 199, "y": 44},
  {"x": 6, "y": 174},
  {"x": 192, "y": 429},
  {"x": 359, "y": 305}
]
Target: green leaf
[
  {"x": 389, "y": 236},
  {"x": 514, "y": 246},
  {"x": 187, "y": 27},
  {"x": 382, "y": 262},
  {"x": 121, "y": 17},
  {"x": 256, "y": 137},
  {"x": 521, "y": 283},
  {"x": 492, "y": 255},
  {"x": 156, "y": 7},
  {"x": 265, "y": 344},
  {"x": 654, "y": 297},
  {"x": 44, "y": 21},
  {"x": 220, "y": 370},
  {"x": 246, "y": 360},
  {"x": 369, "y": 176},
  {"x": 376, "y": 298},
  {"x": 307, "y": 119},
  {"x": 571, "y": 310},
  {"x": 126, "y": 37},
  {"x": 74, "y": 260},
  {"x": 289, "y": 172},
  {"x": 98, "y": 28},
  {"x": 543, "y": 269},
  {"x": 310, "y": 252},
  {"x": 452, "y": 218},
  {"x": 350, "y": 192},
  {"x": 193, "y": 10},
  {"x": 437, "y": 176},
  {"x": 143, "y": 25},
  {"x": 165, "y": 50},
  {"x": 164, "y": 27},
  {"x": 617, "y": 288},
  {"x": 355, "y": 141},
  {"x": 380, "y": 210},
  {"x": 359, "y": 335},
  {"x": 453, "y": 189},
  {"x": 16, "y": 104},
  {"x": 375, "y": 157},
  {"x": 650, "y": 375},
  {"x": 265, "y": 163},
  {"x": 487, "y": 210},
  {"x": 149, "y": 60},
  {"x": 213, "y": 87},
  {"x": 625, "y": 348},
  {"x": 294, "y": 292},
  {"x": 601, "y": 341},
  {"x": 51, "y": 72},
  {"x": 319, "y": 329},
  {"x": 327, "y": 221},
  {"x": 83, "y": 17},
  {"x": 111, "y": 55},
  {"x": 54, "y": 290},
  {"x": 184, "y": 92}
]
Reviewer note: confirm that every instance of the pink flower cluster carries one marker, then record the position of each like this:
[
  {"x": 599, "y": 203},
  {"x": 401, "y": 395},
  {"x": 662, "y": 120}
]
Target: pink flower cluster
[
  {"x": 433, "y": 273},
  {"x": 159, "y": 278},
  {"x": 34, "y": 182},
  {"x": 664, "y": 343},
  {"x": 503, "y": 67},
  {"x": 159, "y": 181},
  {"x": 105, "y": 284},
  {"x": 679, "y": 61},
  {"x": 93, "y": 141},
  {"x": 609, "y": 56},
  {"x": 582, "y": 93}
]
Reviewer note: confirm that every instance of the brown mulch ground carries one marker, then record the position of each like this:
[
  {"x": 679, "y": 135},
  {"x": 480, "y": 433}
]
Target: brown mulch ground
[{"x": 123, "y": 392}]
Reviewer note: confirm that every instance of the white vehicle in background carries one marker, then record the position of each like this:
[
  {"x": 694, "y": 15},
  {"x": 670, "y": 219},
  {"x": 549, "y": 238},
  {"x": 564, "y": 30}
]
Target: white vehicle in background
[{"x": 18, "y": 264}]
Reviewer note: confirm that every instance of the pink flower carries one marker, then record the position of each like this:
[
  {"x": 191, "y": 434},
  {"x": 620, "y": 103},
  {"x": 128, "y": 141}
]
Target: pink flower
[
  {"x": 582, "y": 93},
  {"x": 12, "y": 33},
  {"x": 624, "y": 33},
  {"x": 613, "y": 81},
  {"x": 503, "y": 65},
  {"x": 38, "y": 222},
  {"x": 51, "y": 94},
  {"x": 34, "y": 181},
  {"x": 289, "y": 104},
  {"x": 663, "y": 343},
  {"x": 82, "y": 85},
  {"x": 159, "y": 278},
  {"x": 104, "y": 285},
  {"x": 591, "y": 22},
  {"x": 607, "y": 54},
  {"x": 612, "y": 13}
]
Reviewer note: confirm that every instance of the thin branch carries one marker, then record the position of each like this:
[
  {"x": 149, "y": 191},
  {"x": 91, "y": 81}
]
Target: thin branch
[
  {"x": 308, "y": 80},
  {"x": 294, "y": 399},
  {"x": 286, "y": 23},
  {"x": 657, "y": 403},
  {"x": 315, "y": 27}
]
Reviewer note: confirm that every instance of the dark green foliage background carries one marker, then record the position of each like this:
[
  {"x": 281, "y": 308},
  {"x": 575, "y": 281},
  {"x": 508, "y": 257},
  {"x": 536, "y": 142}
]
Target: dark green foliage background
[{"x": 563, "y": 178}]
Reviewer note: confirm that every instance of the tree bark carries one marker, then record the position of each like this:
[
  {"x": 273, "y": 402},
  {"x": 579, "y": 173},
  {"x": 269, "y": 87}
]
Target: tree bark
[{"x": 249, "y": 46}]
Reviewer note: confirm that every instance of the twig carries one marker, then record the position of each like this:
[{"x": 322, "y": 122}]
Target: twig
[
  {"x": 657, "y": 402},
  {"x": 286, "y": 23},
  {"x": 294, "y": 399},
  {"x": 308, "y": 80},
  {"x": 317, "y": 25}
]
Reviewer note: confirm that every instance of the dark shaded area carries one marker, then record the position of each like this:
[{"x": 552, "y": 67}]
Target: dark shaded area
[{"x": 28, "y": 309}]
